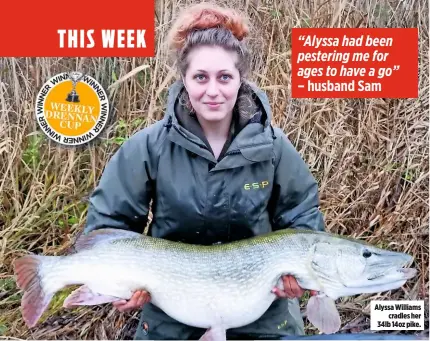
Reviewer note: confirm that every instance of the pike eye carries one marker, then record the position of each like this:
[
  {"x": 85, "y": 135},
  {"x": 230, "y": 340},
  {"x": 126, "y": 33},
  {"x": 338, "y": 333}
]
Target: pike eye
[{"x": 367, "y": 253}]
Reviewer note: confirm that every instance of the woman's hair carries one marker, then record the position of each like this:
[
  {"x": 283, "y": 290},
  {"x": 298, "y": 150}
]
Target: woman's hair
[{"x": 208, "y": 24}]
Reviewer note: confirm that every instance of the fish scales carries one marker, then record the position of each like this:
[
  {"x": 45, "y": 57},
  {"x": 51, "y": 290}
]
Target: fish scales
[
  {"x": 228, "y": 279},
  {"x": 215, "y": 287}
]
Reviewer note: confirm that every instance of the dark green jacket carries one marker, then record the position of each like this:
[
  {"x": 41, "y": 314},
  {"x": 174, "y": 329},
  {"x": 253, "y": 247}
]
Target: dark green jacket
[{"x": 260, "y": 182}]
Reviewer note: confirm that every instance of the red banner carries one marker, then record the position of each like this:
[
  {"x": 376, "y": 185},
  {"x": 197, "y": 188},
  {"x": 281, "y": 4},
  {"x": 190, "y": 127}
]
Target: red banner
[
  {"x": 354, "y": 62},
  {"x": 81, "y": 28}
]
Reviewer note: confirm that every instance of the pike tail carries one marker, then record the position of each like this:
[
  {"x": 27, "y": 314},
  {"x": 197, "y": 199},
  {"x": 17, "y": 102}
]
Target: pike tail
[{"x": 36, "y": 298}]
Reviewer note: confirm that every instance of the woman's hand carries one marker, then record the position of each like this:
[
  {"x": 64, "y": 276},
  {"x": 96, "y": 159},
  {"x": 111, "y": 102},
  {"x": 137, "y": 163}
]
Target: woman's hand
[
  {"x": 137, "y": 301},
  {"x": 291, "y": 288}
]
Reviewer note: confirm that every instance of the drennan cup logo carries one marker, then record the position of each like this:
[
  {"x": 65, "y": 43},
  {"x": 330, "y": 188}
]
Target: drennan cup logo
[{"x": 72, "y": 108}]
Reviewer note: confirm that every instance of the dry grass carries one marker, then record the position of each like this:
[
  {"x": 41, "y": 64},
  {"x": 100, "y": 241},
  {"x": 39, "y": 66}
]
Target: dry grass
[{"x": 370, "y": 156}]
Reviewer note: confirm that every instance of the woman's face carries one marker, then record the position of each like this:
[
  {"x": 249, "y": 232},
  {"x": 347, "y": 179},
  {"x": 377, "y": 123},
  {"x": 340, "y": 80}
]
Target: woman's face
[{"x": 212, "y": 81}]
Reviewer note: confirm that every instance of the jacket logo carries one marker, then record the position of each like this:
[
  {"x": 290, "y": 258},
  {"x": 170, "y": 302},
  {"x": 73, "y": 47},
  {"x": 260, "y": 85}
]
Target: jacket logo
[
  {"x": 256, "y": 185},
  {"x": 283, "y": 324}
]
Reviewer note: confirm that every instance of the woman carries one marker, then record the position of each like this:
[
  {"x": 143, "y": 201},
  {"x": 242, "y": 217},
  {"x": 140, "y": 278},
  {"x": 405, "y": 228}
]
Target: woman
[{"x": 214, "y": 167}]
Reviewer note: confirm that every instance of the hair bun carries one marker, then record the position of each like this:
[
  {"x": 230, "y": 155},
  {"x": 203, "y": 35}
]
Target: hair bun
[{"x": 202, "y": 16}]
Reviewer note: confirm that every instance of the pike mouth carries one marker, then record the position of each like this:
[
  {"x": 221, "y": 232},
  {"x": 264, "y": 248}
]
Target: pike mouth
[
  {"x": 408, "y": 272},
  {"x": 405, "y": 273},
  {"x": 395, "y": 266}
]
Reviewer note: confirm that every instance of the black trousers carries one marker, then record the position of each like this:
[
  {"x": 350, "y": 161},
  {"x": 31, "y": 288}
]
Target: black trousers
[{"x": 281, "y": 319}]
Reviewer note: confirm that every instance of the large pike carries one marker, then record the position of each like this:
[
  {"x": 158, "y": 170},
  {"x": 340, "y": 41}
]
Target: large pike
[{"x": 221, "y": 286}]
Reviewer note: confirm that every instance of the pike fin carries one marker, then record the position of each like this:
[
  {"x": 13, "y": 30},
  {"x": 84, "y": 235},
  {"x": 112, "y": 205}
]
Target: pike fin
[
  {"x": 35, "y": 300},
  {"x": 85, "y": 296},
  {"x": 87, "y": 241},
  {"x": 323, "y": 314},
  {"x": 214, "y": 334}
]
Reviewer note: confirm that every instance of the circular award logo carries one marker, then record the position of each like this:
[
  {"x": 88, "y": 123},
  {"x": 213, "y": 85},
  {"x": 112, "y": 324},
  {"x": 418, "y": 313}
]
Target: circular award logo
[{"x": 72, "y": 108}]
